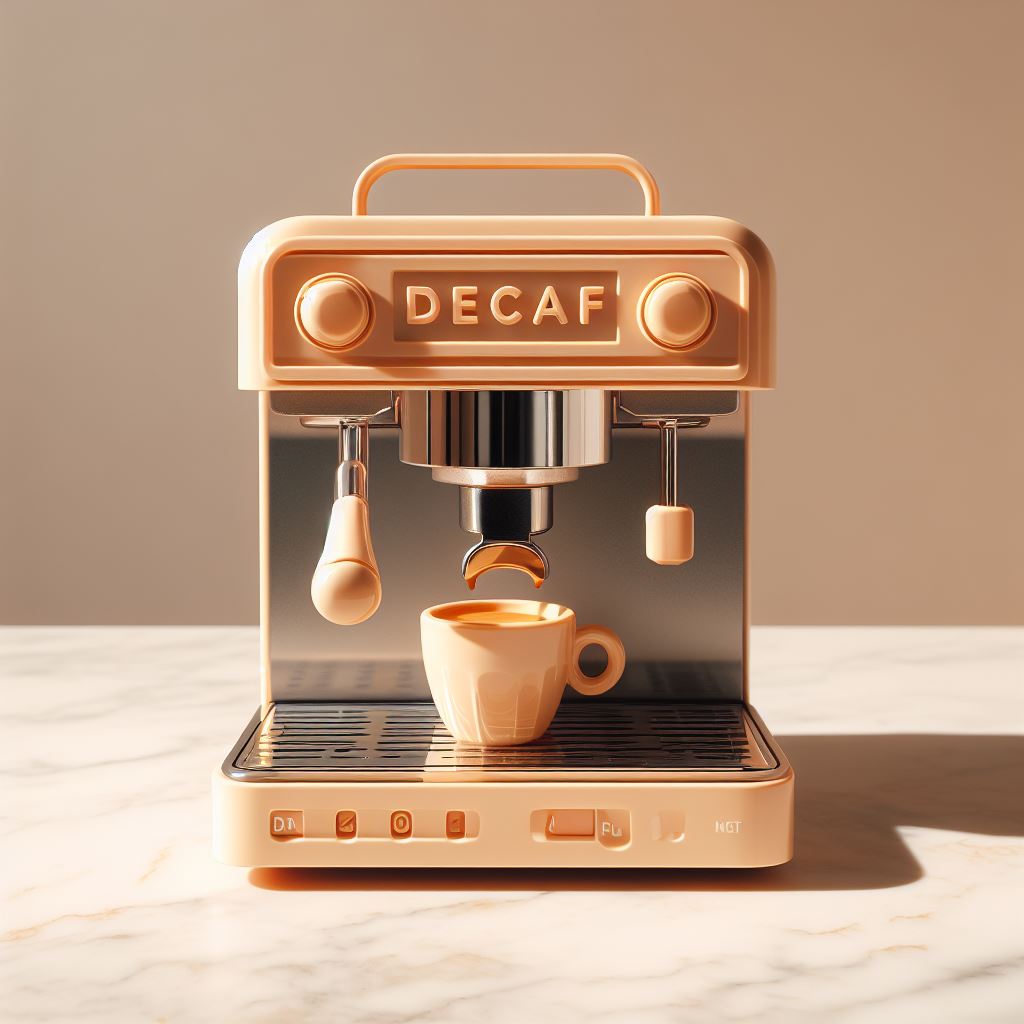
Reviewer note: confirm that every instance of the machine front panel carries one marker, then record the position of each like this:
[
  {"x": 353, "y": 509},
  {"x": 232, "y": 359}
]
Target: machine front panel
[
  {"x": 655, "y": 302},
  {"x": 683, "y": 627},
  {"x": 569, "y": 310}
]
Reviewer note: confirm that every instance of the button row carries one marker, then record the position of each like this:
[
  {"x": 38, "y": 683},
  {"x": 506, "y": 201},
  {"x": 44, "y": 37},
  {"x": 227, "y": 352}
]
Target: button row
[
  {"x": 335, "y": 311},
  {"x": 609, "y": 828},
  {"x": 291, "y": 825}
]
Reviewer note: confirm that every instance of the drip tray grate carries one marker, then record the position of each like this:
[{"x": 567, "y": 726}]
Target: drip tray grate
[{"x": 324, "y": 738}]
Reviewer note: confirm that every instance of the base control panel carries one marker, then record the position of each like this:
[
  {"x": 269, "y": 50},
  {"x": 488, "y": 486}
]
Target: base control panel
[
  {"x": 512, "y": 824},
  {"x": 608, "y": 827}
]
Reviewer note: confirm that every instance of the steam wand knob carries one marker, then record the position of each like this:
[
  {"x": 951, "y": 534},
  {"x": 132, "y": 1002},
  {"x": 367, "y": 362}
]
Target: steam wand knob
[
  {"x": 669, "y": 524},
  {"x": 346, "y": 587}
]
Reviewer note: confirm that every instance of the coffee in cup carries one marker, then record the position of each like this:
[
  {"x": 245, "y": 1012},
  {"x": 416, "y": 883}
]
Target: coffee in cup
[{"x": 497, "y": 669}]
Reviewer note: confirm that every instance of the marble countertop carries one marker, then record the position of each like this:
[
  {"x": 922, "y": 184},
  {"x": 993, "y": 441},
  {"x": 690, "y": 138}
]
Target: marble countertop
[{"x": 904, "y": 901}]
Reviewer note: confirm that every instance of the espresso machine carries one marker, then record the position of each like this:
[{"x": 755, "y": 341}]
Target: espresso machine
[{"x": 431, "y": 391}]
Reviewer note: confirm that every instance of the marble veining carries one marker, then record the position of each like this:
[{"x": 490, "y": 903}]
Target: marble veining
[{"x": 904, "y": 901}]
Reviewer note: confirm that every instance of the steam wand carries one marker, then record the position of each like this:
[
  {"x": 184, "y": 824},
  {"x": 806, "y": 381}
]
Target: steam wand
[
  {"x": 669, "y": 524},
  {"x": 346, "y": 586}
]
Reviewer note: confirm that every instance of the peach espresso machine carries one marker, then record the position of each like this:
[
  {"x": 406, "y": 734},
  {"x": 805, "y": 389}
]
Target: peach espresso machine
[{"x": 495, "y": 367}]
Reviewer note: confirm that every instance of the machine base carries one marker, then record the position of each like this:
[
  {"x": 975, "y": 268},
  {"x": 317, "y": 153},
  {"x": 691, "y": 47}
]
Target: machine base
[{"x": 282, "y": 800}]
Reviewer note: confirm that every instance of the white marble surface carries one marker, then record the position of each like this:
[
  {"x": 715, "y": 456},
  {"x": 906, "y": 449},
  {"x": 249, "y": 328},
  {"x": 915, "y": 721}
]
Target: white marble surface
[{"x": 904, "y": 902}]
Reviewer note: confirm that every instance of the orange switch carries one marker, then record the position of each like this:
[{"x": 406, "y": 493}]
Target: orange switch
[
  {"x": 286, "y": 824},
  {"x": 455, "y": 824},
  {"x": 345, "y": 824},
  {"x": 569, "y": 824},
  {"x": 401, "y": 825}
]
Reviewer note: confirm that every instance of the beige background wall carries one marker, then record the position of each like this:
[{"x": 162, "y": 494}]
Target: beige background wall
[{"x": 875, "y": 146}]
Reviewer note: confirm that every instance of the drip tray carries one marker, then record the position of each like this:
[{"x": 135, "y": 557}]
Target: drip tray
[{"x": 304, "y": 740}]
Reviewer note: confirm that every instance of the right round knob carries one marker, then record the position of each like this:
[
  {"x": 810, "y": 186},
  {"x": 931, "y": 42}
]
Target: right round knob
[{"x": 676, "y": 311}]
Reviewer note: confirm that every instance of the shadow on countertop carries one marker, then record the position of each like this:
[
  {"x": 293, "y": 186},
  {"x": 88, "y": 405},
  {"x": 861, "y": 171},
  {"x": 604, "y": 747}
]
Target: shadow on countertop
[{"x": 853, "y": 794}]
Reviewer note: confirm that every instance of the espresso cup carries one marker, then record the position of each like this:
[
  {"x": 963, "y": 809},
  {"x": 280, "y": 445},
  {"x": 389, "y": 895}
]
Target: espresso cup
[{"x": 497, "y": 669}]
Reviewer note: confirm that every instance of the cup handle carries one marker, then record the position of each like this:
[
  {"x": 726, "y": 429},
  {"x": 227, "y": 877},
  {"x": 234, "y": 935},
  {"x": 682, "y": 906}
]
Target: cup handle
[{"x": 591, "y": 686}]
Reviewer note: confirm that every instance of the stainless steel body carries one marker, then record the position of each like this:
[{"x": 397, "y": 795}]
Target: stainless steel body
[
  {"x": 501, "y": 430},
  {"x": 683, "y": 627},
  {"x": 407, "y": 741}
]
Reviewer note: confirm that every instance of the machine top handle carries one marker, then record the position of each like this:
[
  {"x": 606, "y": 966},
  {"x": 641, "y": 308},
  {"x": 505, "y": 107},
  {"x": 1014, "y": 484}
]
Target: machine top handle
[{"x": 506, "y": 161}]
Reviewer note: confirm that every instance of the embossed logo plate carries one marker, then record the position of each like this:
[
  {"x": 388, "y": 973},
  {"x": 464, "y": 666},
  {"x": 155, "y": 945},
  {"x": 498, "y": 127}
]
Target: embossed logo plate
[{"x": 504, "y": 306}]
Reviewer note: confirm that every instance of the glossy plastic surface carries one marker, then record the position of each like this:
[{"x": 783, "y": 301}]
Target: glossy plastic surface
[
  {"x": 720, "y": 824},
  {"x": 669, "y": 536},
  {"x": 333, "y": 311},
  {"x": 506, "y": 161},
  {"x": 676, "y": 311},
  {"x": 346, "y": 587},
  {"x": 518, "y": 302}
]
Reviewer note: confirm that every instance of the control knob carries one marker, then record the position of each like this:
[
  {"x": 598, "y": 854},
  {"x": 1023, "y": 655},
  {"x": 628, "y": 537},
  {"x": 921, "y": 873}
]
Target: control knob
[
  {"x": 334, "y": 311},
  {"x": 676, "y": 311}
]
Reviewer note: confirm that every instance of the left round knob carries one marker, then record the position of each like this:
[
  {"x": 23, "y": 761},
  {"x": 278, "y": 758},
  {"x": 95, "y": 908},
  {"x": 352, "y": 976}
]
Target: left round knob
[{"x": 334, "y": 311}]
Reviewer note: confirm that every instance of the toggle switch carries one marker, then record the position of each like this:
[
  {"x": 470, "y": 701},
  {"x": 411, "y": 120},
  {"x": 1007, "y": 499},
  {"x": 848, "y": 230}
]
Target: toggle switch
[{"x": 569, "y": 824}]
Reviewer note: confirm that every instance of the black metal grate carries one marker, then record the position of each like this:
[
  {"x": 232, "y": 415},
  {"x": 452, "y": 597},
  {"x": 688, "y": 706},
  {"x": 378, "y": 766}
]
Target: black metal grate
[{"x": 330, "y": 737}]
